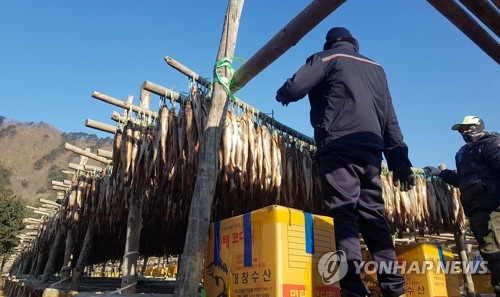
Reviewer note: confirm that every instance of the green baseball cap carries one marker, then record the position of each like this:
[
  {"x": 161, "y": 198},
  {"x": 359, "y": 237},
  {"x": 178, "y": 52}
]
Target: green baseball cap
[{"x": 467, "y": 121}]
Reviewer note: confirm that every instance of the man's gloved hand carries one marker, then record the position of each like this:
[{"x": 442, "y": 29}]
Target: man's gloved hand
[
  {"x": 281, "y": 98},
  {"x": 405, "y": 178},
  {"x": 431, "y": 170}
]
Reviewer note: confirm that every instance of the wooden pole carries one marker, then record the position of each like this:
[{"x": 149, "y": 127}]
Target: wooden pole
[
  {"x": 497, "y": 3},
  {"x": 162, "y": 91},
  {"x": 68, "y": 250},
  {"x": 145, "y": 99},
  {"x": 464, "y": 261},
  {"x": 100, "y": 126},
  {"x": 51, "y": 261},
  {"x": 83, "y": 257},
  {"x": 465, "y": 23},
  {"x": 485, "y": 12},
  {"x": 92, "y": 156},
  {"x": 183, "y": 69},
  {"x": 125, "y": 105},
  {"x": 105, "y": 153},
  {"x": 287, "y": 37},
  {"x": 88, "y": 168},
  {"x": 134, "y": 226},
  {"x": 59, "y": 183},
  {"x": 59, "y": 188},
  {"x": 199, "y": 215},
  {"x": 122, "y": 118},
  {"x": 50, "y": 206},
  {"x": 117, "y": 117},
  {"x": 43, "y": 213}
]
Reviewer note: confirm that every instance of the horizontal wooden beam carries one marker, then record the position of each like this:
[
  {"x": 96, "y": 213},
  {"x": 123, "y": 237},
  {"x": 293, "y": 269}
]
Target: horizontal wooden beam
[
  {"x": 26, "y": 220},
  {"x": 104, "y": 153},
  {"x": 50, "y": 206},
  {"x": 465, "y": 23},
  {"x": 100, "y": 126},
  {"x": 188, "y": 72},
  {"x": 125, "y": 105},
  {"x": 59, "y": 188},
  {"x": 92, "y": 156},
  {"x": 59, "y": 183},
  {"x": 42, "y": 213},
  {"x": 164, "y": 92},
  {"x": 92, "y": 168},
  {"x": 49, "y": 202},
  {"x": 32, "y": 227},
  {"x": 88, "y": 168}
]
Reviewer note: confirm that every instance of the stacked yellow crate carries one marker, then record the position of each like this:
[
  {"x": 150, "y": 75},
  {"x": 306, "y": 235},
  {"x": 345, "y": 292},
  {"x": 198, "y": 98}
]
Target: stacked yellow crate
[
  {"x": 272, "y": 251},
  {"x": 426, "y": 278}
]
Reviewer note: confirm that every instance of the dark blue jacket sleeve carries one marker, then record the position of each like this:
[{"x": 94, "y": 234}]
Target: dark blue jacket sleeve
[
  {"x": 450, "y": 177},
  {"x": 308, "y": 76},
  {"x": 395, "y": 151},
  {"x": 491, "y": 155}
]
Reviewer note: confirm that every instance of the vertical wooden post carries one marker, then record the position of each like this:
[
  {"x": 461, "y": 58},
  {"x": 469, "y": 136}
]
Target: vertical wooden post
[
  {"x": 84, "y": 254},
  {"x": 26, "y": 263},
  {"x": 50, "y": 265},
  {"x": 68, "y": 251},
  {"x": 33, "y": 262},
  {"x": 199, "y": 217},
  {"x": 40, "y": 262},
  {"x": 71, "y": 227},
  {"x": 134, "y": 226},
  {"x": 464, "y": 262}
]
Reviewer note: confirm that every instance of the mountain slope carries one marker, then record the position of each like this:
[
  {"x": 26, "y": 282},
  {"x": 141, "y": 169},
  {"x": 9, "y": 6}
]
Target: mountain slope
[{"x": 34, "y": 154}]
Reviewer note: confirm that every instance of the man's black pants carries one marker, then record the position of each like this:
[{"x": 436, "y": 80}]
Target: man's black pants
[
  {"x": 486, "y": 228},
  {"x": 352, "y": 190}
]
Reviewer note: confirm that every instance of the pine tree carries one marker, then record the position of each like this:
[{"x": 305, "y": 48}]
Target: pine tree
[{"x": 12, "y": 213}]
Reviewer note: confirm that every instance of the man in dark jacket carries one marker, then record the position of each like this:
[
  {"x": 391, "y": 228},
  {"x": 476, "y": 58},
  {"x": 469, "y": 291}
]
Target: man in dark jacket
[
  {"x": 478, "y": 177},
  {"x": 354, "y": 122}
]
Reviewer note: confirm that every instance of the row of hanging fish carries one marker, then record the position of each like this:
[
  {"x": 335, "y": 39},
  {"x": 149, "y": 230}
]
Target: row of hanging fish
[{"x": 431, "y": 205}]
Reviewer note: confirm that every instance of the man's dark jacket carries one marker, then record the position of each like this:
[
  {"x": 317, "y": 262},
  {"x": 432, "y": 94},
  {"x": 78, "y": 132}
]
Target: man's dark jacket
[
  {"x": 351, "y": 107},
  {"x": 478, "y": 174}
]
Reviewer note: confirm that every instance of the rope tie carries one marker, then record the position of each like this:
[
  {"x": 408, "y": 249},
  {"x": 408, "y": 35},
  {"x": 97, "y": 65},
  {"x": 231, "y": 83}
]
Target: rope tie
[{"x": 225, "y": 82}]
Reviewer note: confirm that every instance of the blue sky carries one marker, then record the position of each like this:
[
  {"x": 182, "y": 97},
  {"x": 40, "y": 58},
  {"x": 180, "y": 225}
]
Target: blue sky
[{"x": 54, "y": 54}]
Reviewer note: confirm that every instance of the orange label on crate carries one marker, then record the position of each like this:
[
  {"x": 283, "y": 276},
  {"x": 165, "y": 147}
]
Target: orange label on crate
[
  {"x": 294, "y": 291},
  {"x": 301, "y": 291}
]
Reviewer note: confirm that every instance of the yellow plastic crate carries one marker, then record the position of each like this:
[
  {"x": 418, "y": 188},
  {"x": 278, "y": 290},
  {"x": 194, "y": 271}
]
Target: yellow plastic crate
[
  {"x": 433, "y": 283},
  {"x": 482, "y": 283},
  {"x": 272, "y": 251}
]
